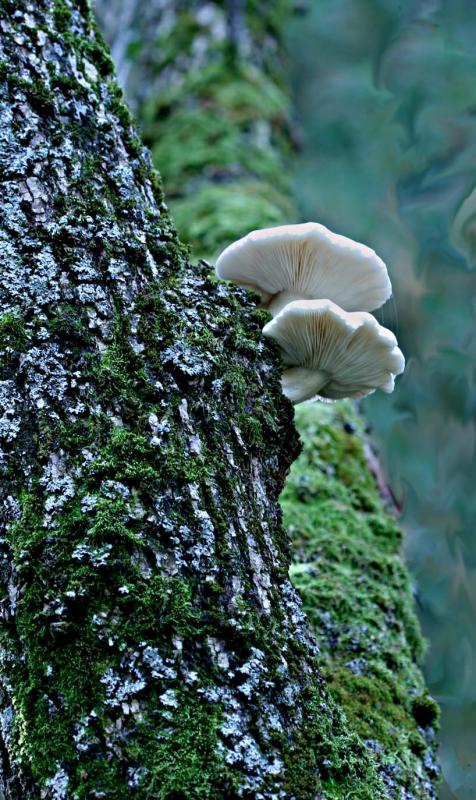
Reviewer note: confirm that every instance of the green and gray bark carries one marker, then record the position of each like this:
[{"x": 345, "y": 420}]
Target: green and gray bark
[{"x": 151, "y": 642}]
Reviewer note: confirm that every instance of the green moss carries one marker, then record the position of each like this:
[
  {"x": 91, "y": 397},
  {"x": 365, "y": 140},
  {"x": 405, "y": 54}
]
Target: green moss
[
  {"x": 216, "y": 215},
  {"x": 425, "y": 710},
  {"x": 117, "y": 104},
  {"x": 346, "y": 768},
  {"x": 186, "y": 763},
  {"x": 62, "y": 15},
  {"x": 96, "y": 51},
  {"x": 91, "y": 47},
  {"x": 120, "y": 370},
  {"x": 223, "y": 152},
  {"x": 355, "y": 590},
  {"x": 39, "y": 95},
  {"x": 69, "y": 323},
  {"x": 12, "y": 333}
]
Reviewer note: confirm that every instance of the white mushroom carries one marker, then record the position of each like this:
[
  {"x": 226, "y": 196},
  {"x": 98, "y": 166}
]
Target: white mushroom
[
  {"x": 306, "y": 261},
  {"x": 333, "y": 353}
]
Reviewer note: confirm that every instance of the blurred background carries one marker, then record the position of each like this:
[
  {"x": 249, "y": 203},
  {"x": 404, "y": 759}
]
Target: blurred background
[
  {"x": 385, "y": 102},
  {"x": 384, "y": 139}
]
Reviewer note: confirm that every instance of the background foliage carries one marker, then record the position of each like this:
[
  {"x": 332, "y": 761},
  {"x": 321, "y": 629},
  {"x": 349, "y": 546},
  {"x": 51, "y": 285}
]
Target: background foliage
[{"x": 386, "y": 100}]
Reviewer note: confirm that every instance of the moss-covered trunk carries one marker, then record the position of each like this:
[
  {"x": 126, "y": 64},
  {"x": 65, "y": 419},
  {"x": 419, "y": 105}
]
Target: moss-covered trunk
[
  {"x": 208, "y": 81},
  {"x": 151, "y": 642}
]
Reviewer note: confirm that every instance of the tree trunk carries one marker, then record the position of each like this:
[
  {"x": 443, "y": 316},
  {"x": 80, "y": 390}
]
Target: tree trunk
[
  {"x": 208, "y": 82},
  {"x": 151, "y": 642}
]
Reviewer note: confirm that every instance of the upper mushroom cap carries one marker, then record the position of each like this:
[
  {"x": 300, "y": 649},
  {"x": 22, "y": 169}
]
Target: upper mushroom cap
[
  {"x": 307, "y": 260},
  {"x": 332, "y": 352}
]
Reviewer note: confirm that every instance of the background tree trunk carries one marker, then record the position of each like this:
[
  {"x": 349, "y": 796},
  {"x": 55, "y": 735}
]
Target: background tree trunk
[
  {"x": 208, "y": 82},
  {"x": 181, "y": 78}
]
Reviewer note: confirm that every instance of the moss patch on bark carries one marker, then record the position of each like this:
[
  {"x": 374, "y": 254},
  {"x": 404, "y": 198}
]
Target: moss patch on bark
[{"x": 356, "y": 593}]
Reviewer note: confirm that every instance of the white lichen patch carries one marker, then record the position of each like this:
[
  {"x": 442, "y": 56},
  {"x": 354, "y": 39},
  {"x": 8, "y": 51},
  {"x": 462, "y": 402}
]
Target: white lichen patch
[
  {"x": 10, "y": 416},
  {"x": 56, "y": 788}
]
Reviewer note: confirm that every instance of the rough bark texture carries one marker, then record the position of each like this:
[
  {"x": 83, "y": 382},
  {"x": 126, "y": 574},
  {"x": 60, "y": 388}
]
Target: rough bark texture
[
  {"x": 189, "y": 65},
  {"x": 151, "y": 642}
]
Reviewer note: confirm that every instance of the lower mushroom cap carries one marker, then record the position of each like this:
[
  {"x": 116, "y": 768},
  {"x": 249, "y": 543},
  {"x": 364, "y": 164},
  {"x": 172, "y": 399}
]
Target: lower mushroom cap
[
  {"x": 333, "y": 353},
  {"x": 301, "y": 384}
]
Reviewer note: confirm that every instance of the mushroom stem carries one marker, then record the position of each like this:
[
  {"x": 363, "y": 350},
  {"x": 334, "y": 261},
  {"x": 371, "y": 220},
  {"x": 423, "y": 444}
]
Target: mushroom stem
[
  {"x": 301, "y": 384},
  {"x": 278, "y": 301}
]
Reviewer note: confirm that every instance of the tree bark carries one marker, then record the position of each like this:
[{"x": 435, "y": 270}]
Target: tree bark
[{"x": 152, "y": 644}]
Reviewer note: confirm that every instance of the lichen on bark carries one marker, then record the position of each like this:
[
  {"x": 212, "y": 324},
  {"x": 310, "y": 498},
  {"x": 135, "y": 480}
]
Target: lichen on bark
[{"x": 151, "y": 642}]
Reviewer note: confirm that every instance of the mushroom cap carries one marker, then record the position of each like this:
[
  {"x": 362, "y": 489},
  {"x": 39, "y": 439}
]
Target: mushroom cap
[
  {"x": 310, "y": 261},
  {"x": 332, "y": 352}
]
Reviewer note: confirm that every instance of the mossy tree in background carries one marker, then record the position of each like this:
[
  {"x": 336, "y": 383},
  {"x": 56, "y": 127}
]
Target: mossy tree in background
[
  {"x": 207, "y": 81},
  {"x": 346, "y": 559},
  {"x": 386, "y": 97}
]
